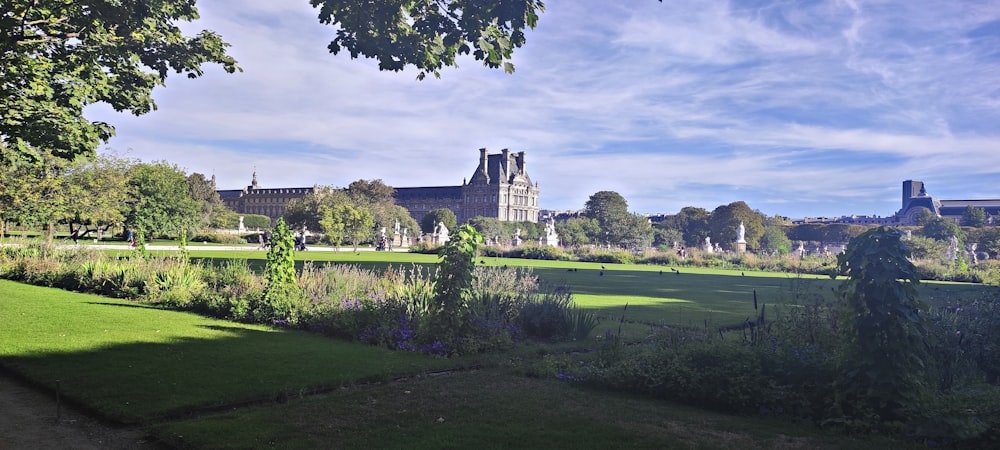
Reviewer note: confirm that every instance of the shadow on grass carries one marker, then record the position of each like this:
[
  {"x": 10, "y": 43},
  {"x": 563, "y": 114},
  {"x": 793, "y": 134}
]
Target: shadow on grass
[
  {"x": 124, "y": 305},
  {"x": 141, "y": 382}
]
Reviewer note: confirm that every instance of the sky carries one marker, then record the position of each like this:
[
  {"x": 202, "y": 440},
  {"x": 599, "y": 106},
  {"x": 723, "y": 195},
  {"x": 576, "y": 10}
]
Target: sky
[{"x": 799, "y": 108}]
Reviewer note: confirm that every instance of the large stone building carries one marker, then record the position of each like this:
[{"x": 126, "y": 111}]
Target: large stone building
[
  {"x": 916, "y": 199},
  {"x": 500, "y": 188},
  {"x": 253, "y": 199}
]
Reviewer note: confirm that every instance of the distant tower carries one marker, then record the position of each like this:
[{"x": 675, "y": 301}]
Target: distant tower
[{"x": 912, "y": 188}]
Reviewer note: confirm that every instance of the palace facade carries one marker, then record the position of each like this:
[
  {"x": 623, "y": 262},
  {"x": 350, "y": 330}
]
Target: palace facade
[
  {"x": 500, "y": 188},
  {"x": 253, "y": 199}
]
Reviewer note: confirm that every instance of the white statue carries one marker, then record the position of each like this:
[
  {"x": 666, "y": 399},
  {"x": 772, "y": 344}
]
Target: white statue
[
  {"x": 953, "y": 248},
  {"x": 551, "y": 238},
  {"x": 517, "y": 236},
  {"x": 741, "y": 233},
  {"x": 383, "y": 231},
  {"x": 708, "y": 244},
  {"x": 441, "y": 233},
  {"x": 396, "y": 228},
  {"x": 242, "y": 227}
]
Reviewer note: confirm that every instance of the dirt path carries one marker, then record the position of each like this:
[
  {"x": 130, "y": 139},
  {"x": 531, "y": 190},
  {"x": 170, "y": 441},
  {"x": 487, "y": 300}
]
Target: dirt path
[{"x": 28, "y": 421}]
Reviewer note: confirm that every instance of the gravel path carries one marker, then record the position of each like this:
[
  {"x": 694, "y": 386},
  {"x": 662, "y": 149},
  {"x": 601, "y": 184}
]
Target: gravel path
[{"x": 28, "y": 421}]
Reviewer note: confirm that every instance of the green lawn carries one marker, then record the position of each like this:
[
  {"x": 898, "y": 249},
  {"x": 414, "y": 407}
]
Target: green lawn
[
  {"x": 134, "y": 363},
  {"x": 656, "y": 295},
  {"x": 139, "y": 364},
  {"x": 493, "y": 408}
]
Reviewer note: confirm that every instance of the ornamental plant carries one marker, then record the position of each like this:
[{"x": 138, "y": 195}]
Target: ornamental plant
[
  {"x": 453, "y": 281},
  {"x": 883, "y": 365},
  {"x": 281, "y": 293}
]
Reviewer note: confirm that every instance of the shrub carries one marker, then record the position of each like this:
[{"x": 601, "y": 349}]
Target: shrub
[
  {"x": 603, "y": 256},
  {"x": 216, "y": 238},
  {"x": 547, "y": 315},
  {"x": 541, "y": 252}
]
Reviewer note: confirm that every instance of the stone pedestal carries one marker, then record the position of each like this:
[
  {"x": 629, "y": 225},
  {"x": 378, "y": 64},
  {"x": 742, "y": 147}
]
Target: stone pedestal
[{"x": 741, "y": 247}]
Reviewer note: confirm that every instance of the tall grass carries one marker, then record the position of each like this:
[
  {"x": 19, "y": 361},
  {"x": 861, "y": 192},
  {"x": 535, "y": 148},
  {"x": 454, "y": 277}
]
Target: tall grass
[{"x": 389, "y": 308}]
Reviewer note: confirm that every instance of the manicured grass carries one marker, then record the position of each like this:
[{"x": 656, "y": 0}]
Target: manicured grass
[
  {"x": 133, "y": 363},
  {"x": 492, "y": 409},
  {"x": 655, "y": 294}
]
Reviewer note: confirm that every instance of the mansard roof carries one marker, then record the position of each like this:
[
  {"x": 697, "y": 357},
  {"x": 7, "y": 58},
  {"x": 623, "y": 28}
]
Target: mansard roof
[
  {"x": 428, "y": 192},
  {"x": 957, "y": 207},
  {"x": 230, "y": 194}
]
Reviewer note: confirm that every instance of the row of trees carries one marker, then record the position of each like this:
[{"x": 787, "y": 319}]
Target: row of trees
[
  {"x": 101, "y": 194},
  {"x": 606, "y": 221},
  {"x": 356, "y": 214}
]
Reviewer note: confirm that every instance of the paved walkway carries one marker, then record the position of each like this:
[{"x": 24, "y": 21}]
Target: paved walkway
[{"x": 213, "y": 247}]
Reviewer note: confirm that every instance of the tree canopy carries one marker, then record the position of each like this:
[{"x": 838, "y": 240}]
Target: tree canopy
[
  {"x": 429, "y": 34},
  {"x": 973, "y": 217},
  {"x": 58, "y": 56},
  {"x": 725, "y": 219},
  {"x": 159, "y": 201},
  {"x": 438, "y": 215}
]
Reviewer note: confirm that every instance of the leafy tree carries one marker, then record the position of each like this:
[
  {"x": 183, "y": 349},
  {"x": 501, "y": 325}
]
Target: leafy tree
[
  {"x": 346, "y": 221},
  {"x": 665, "y": 237},
  {"x": 725, "y": 219},
  {"x": 636, "y": 233},
  {"x": 333, "y": 228},
  {"x": 429, "y": 34},
  {"x": 96, "y": 191},
  {"x": 884, "y": 360},
  {"x": 617, "y": 226},
  {"x": 376, "y": 197},
  {"x": 605, "y": 207},
  {"x": 58, "y": 56},
  {"x": 693, "y": 223},
  {"x": 438, "y": 215},
  {"x": 577, "y": 231},
  {"x": 941, "y": 229},
  {"x": 358, "y": 222},
  {"x": 921, "y": 247},
  {"x": 306, "y": 211},
  {"x": 922, "y": 216},
  {"x": 491, "y": 228},
  {"x": 822, "y": 232},
  {"x": 775, "y": 240},
  {"x": 33, "y": 189},
  {"x": 973, "y": 217},
  {"x": 203, "y": 191},
  {"x": 159, "y": 201}
]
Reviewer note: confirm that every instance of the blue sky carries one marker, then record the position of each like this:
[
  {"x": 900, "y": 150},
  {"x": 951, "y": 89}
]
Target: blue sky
[{"x": 799, "y": 108}]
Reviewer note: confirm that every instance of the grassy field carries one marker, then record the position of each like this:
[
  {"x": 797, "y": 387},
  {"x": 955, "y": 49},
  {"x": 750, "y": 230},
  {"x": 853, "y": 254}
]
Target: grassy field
[
  {"x": 656, "y": 295},
  {"x": 133, "y": 363},
  {"x": 202, "y": 383},
  {"x": 493, "y": 408}
]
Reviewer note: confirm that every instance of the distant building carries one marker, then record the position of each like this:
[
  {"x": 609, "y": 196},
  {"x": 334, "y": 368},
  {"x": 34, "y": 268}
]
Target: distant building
[
  {"x": 500, "y": 187},
  {"x": 916, "y": 199},
  {"x": 269, "y": 202}
]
